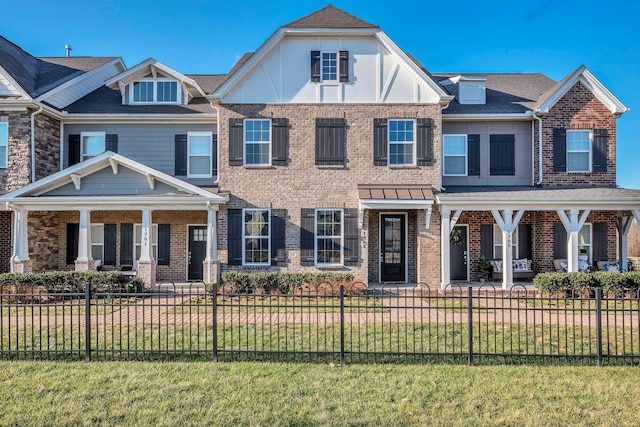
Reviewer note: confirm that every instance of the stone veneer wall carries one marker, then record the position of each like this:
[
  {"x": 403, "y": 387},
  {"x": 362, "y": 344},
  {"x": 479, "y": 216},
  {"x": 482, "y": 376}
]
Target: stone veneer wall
[
  {"x": 17, "y": 174},
  {"x": 302, "y": 184},
  {"x": 47, "y": 138},
  {"x": 578, "y": 109}
]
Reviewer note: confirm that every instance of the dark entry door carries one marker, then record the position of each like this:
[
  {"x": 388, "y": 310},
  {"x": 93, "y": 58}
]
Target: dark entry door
[
  {"x": 393, "y": 248},
  {"x": 459, "y": 254},
  {"x": 197, "y": 251}
]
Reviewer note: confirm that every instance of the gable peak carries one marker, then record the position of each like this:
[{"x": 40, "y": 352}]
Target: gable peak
[{"x": 329, "y": 17}]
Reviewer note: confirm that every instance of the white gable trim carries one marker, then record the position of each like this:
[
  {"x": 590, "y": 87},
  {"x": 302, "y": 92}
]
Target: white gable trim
[
  {"x": 584, "y": 76},
  {"x": 15, "y": 84},
  {"x": 106, "y": 160}
]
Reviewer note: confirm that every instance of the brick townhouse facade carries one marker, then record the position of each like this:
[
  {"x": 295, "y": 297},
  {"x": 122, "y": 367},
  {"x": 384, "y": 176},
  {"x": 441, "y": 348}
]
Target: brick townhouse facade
[{"x": 327, "y": 149}]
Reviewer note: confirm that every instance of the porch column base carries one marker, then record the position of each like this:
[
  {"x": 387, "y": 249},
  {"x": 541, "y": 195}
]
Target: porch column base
[
  {"x": 147, "y": 272},
  {"x": 214, "y": 267},
  {"x": 88, "y": 265},
  {"x": 25, "y": 266}
]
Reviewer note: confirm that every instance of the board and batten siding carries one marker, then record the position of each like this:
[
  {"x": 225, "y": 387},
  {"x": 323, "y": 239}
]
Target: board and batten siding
[{"x": 151, "y": 144}]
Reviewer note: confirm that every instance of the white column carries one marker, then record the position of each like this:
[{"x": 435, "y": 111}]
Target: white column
[
  {"x": 212, "y": 235},
  {"x": 445, "y": 249},
  {"x": 84, "y": 236},
  {"x": 145, "y": 242},
  {"x": 573, "y": 222},
  {"x": 22, "y": 235},
  {"x": 507, "y": 223}
]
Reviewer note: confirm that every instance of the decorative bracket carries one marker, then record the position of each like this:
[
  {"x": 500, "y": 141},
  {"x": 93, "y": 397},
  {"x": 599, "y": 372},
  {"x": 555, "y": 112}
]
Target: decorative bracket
[
  {"x": 114, "y": 165},
  {"x": 76, "y": 180},
  {"x": 151, "y": 181}
]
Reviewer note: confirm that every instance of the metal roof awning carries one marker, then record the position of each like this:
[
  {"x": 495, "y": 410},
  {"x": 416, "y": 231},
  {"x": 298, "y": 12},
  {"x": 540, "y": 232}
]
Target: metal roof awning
[{"x": 396, "y": 196}]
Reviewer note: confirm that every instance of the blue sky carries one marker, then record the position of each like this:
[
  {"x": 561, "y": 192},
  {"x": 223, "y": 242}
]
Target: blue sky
[{"x": 551, "y": 37}]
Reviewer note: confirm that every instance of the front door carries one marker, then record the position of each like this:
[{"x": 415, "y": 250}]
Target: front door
[
  {"x": 196, "y": 252},
  {"x": 458, "y": 242},
  {"x": 393, "y": 248}
]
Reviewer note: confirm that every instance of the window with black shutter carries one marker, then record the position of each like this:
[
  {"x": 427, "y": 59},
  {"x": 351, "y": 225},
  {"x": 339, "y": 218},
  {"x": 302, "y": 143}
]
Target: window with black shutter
[
  {"x": 473, "y": 155},
  {"x": 380, "y": 156},
  {"x": 307, "y": 235},
  {"x": 600, "y": 150},
  {"x": 424, "y": 130},
  {"x": 524, "y": 241},
  {"x": 344, "y": 66},
  {"x": 559, "y": 241},
  {"x": 181, "y": 155},
  {"x": 234, "y": 236},
  {"x": 236, "y": 141},
  {"x": 126, "y": 244},
  {"x": 279, "y": 141},
  {"x": 73, "y": 231},
  {"x": 559, "y": 150},
  {"x": 111, "y": 142},
  {"x": 252, "y": 140},
  {"x": 164, "y": 244},
  {"x": 214, "y": 160},
  {"x": 74, "y": 149},
  {"x": 278, "y": 237},
  {"x": 351, "y": 238},
  {"x": 109, "y": 244},
  {"x": 502, "y": 155},
  {"x": 486, "y": 240},
  {"x": 315, "y": 66},
  {"x": 600, "y": 240},
  {"x": 330, "y": 141}
]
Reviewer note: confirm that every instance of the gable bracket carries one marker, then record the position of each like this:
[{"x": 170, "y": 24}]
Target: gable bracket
[
  {"x": 114, "y": 165},
  {"x": 75, "y": 178},
  {"x": 151, "y": 181}
]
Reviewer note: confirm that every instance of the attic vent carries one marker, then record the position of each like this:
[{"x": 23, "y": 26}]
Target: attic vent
[{"x": 472, "y": 90}]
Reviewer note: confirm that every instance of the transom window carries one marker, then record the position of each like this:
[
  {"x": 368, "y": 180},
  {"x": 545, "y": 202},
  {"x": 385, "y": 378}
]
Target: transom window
[
  {"x": 255, "y": 237},
  {"x": 497, "y": 243},
  {"x": 401, "y": 142},
  {"x": 257, "y": 142},
  {"x": 329, "y": 66},
  {"x": 154, "y": 90},
  {"x": 200, "y": 157},
  {"x": 328, "y": 236},
  {"x": 92, "y": 144},
  {"x": 578, "y": 151},
  {"x": 455, "y": 155},
  {"x": 4, "y": 144},
  {"x": 137, "y": 242}
]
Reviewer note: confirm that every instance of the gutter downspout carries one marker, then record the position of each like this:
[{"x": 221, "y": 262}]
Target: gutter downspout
[
  {"x": 533, "y": 114},
  {"x": 215, "y": 217},
  {"x": 33, "y": 143}
]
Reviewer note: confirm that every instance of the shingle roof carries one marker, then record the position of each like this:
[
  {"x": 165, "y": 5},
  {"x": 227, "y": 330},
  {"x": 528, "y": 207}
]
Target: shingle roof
[
  {"x": 329, "y": 17},
  {"x": 208, "y": 82},
  {"x": 506, "y": 92}
]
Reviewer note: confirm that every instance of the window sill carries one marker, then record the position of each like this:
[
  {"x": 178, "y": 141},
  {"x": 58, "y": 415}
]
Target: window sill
[
  {"x": 330, "y": 266},
  {"x": 403, "y": 167},
  {"x": 258, "y": 166},
  {"x": 341, "y": 166}
]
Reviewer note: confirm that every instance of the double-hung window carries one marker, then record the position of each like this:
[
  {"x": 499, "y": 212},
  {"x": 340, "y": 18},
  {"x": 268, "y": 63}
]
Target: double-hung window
[
  {"x": 578, "y": 151},
  {"x": 255, "y": 237},
  {"x": 154, "y": 91},
  {"x": 91, "y": 144},
  {"x": 401, "y": 142},
  {"x": 585, "y": 246},
  {"x": 455, "y": 155},
  {"x": 498, "y": 244},
  {"x": 329, "y": 237},
  {"x": 200, "y": 154},
  {"x": 257, "y": 142},
  {"x": 97, "y": 241},
  {"x": 137, "y": 242},
  {"x": 329, "y": 66},
  {"x": 4, "y": 144}
]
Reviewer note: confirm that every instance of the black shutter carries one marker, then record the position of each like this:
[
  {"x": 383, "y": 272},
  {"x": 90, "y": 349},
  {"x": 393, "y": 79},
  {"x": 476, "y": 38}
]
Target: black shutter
[
  {"x": 380, "y": 155},
  {"x": 424, "y": 139},
  {"x": 164, "y": 244},
  {"x": 524, "y": 241},
  {"x": 315, "y": 65},
  {"x": 234, "y": 236},
  {"x": 214, "y": 154},
  {"x": 109, "y": 244},
  {"x": 473, "y": 159},
  {"x": 111, "y": 142},
  {"x": 502, "y": 155},
  {"x": 330, "y": 141},
  {"x": 486, "y": 240},
  {"x": 344, "y": 65},
  {"x": 278, "y": 227},
  {"x": 126, "y": 244},
  {"x": 600, "y": 242},
  {"x": 181, "y": 155},
  {"x": 307, "y": 236},
  {"x": 600, "y": 148},
  {"x": 236, "y": 142},
  {"x": 559, "y": 151},
  {"x": 351, "y": 237},
  {"x": 280, "y": 141},
  {"x": 74, "y": 149},
  {"x": 73, "y": 231},
  {"x": 559, "y": 241}
]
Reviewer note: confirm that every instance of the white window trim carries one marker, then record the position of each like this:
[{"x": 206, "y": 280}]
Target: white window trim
[
  {"x": 337, "y": 79},
  {"x": 244, "y": 261},
  {"x": 97, "y": 244},
  {"x": 210, "y": 136},
  {"x": 413, "y": 143},
  {"x": 315, "y": 239},
  {"x": 466, "y": 155},
  {"x": 514, "y": 243},
  {"x": 244, "y": 142},
  {"x": 590, "y": 245},
  {"x": 154, "y": 233},
  {"x": 580, "y": 151},
  {"x": 5, "y": 143},
  {"x": 83, "y": 156},
  {"x": 155, "y": 91}
]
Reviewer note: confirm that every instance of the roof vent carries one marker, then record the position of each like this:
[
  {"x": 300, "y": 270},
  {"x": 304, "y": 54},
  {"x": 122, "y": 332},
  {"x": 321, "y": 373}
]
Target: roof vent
[
  {"x": 68, "y": 49},
  {"x": 472, "y": 90}
]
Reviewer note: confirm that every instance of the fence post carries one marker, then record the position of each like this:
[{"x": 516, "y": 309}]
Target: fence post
[
  {"x": 215, "y": 322},
  {"x": 599, "y": 324},
  {"x": 470, "y": 324},
  {"x": 342, "y": 325},
  {"x": 87, "y": 322}
]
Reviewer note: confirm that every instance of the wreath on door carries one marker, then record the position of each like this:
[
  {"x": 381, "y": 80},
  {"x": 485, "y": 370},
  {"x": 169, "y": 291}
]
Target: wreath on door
[{"x": 456, "y": 237}]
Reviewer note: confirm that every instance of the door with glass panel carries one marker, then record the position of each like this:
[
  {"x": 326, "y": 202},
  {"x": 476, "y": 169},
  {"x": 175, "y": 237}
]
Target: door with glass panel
[
  {"x": 393, "y": 245},
  {"x": 197, "y": 251}
]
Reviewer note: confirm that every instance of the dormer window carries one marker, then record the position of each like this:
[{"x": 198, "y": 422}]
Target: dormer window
[{"x": 161, "y": 91}]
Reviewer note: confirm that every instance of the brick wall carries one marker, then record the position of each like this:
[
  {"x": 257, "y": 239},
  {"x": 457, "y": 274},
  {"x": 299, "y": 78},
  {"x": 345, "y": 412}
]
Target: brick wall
[
  {"x": 578, "y": 109},
  {"x": 5, "y": 242},
  {"x": 302, "y": 184}
]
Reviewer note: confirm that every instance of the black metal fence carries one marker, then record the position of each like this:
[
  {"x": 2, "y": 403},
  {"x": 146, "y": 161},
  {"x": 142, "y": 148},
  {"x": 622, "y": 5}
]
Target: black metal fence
[{"x": 323, "y": 323}]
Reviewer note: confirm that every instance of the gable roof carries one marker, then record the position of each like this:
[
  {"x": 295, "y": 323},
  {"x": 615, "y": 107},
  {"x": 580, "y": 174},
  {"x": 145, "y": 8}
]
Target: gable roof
[{"x": 329, "y": 17}]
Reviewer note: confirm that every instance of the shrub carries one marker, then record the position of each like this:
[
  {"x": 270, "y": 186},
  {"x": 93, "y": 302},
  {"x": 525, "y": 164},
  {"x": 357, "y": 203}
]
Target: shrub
[
  {"x": 74, "y": 281},
  {"x": 236, "y": 281},
  {"x": 552, "y": 282}
]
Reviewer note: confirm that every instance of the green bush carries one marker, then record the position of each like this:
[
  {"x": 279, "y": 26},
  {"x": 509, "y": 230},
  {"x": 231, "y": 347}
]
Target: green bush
[
  {"x": 74, "y": 281},
  {"x": 237, "y": 281},
  {"x": 552, "y": 282},
  {"x": 609, "y": 281}
]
